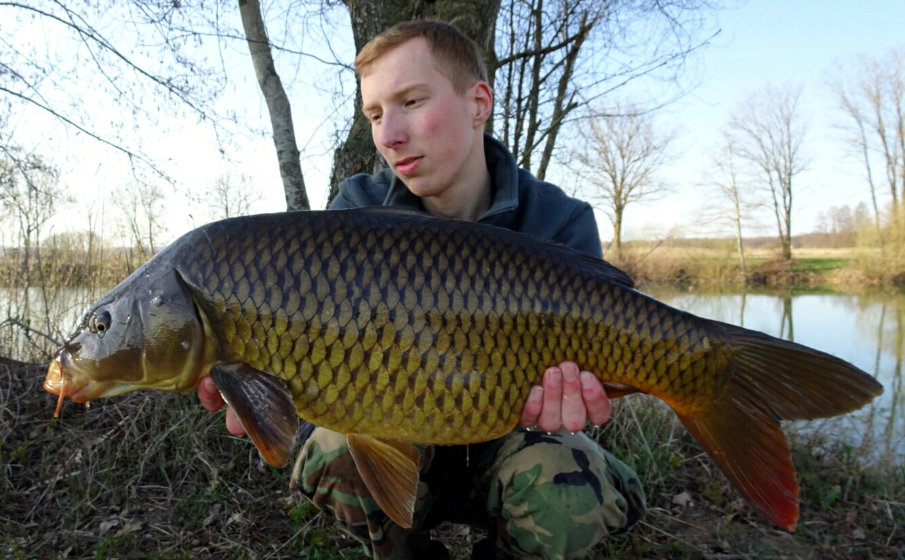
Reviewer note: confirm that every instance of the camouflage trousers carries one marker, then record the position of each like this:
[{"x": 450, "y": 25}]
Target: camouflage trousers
[{"x": 538, "y": 495}]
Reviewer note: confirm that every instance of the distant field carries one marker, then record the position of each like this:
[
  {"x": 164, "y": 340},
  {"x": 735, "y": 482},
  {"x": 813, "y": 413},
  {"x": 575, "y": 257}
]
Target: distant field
[{"x": 709, "y": 263}]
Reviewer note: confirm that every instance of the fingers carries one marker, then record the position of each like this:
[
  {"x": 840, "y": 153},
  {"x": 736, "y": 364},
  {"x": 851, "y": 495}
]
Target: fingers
[
  {"x": 233, "y": 425},
  {"x": 212, "y": 400},
  {"x": 531, "y": 412},
  {"x": 595, "y": 399},
  {"x": 574, "y": 413},
  {"x": 550, "y": 419},
  {"x": 209, "y": 395},
  {"x": 568, "y": 399}
]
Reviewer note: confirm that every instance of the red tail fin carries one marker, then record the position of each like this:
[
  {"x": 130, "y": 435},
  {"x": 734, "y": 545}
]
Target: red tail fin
[{"x": 771, "y": 380}]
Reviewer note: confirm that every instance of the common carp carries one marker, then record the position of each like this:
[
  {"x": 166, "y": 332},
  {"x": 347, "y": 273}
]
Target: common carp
[{"x": 399, "y": 329}]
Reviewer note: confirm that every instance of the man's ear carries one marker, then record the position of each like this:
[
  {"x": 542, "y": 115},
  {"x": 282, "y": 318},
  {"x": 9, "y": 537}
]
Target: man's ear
[{"x": 482, "y": 98}]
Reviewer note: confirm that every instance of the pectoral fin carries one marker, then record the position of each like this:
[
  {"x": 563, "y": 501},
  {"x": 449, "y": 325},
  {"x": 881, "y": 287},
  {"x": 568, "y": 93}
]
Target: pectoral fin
[
  {"x": 390, "y": 471},
  {"x": 264, "y": 407}
]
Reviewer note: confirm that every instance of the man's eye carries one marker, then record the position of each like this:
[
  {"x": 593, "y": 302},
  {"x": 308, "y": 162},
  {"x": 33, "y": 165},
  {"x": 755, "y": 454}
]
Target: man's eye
[{"x": 374, "y": 118}]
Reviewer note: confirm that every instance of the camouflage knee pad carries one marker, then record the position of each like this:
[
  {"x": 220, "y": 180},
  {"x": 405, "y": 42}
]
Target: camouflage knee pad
[
  {"x": 556, "y": 496},
  {"x": 544, "y": 496}
]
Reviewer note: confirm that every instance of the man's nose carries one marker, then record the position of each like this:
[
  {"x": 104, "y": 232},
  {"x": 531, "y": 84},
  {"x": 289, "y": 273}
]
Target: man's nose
[{"x": 392, "y": 131}]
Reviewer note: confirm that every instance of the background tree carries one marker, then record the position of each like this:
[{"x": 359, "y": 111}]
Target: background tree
[
  {"x": 872, "y": 98},
  {"x": 141, "y": 213},
  {"x": 93, "y": 67},
  {"x": 29, "y": 195},
  {"x": 770, "y": 133},
  {"x": 540, "y": 45},
  {"x": 230, "y": 196},
  {"x": 555, "y": 58},
  {"x": 620, "y": 158},
  {"x": 732, "y": 205}
]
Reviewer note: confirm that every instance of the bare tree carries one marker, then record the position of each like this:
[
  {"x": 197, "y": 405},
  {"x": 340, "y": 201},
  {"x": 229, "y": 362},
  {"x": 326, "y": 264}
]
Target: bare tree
[
  {"x": 95, "y": 65},
  {"x": 770, "y": 134},
  {"x": 229, "y": 197},
  {"x": 873, "y": 100},
  {"x": 546, "y": 59},
  {"x": 555, "y": 58},
  {"x": 540, "y": 46},
  {"x": 731, "y": 205},
  {"x": 29, "y": 194},
  {"x": 621, "y": 155},
  {"x": 142, "y": 215}
]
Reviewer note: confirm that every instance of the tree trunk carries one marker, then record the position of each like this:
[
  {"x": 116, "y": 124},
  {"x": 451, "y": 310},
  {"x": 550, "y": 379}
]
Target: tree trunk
[
  {"x": 475, "y": 18},
  {"x": 277, "y": 105},
  {"x": 617, "y": 234},
  {"x": 739, "y": 239}
]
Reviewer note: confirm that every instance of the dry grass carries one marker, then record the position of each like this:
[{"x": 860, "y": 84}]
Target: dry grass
[{"x": 848, "y": 269}]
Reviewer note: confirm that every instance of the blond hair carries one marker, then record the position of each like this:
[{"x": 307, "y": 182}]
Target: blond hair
[{"x": 456, "y": 56}]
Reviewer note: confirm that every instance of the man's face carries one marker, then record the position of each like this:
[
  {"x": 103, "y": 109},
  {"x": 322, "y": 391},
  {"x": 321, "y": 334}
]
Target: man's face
[{"x": 422, "y": 127}]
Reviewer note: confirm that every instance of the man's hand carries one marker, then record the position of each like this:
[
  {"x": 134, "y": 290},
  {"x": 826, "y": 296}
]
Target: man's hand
[
  {"x": 212, "y": 400},
  {"x": 568, "y": 399}
]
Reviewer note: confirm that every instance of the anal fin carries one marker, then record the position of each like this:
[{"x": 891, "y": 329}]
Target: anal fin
[
  {"x": 264, "y": 407},
  {"x": 390, "y": 471}
]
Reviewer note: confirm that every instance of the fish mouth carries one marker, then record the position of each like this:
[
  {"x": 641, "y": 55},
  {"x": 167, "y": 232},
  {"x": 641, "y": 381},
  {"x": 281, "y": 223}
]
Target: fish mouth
[{"x": 63, "y": 381}]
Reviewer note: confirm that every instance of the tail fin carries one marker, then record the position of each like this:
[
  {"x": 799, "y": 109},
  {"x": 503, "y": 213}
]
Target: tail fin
[{"x": 772, "y": 380}]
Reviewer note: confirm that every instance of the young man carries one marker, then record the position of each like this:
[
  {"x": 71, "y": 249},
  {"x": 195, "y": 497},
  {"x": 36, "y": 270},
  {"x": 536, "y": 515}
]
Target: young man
[{"x": 540, "y": 494}]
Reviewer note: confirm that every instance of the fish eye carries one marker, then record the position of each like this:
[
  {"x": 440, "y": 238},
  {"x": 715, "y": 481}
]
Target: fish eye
[{"x": 99, "y": 322}]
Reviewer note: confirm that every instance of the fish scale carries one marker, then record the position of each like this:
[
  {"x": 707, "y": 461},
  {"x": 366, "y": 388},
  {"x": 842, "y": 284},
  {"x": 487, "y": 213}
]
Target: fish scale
[
  {"x": 399, "y": 329},
  {"x": 446, "y": 305}
]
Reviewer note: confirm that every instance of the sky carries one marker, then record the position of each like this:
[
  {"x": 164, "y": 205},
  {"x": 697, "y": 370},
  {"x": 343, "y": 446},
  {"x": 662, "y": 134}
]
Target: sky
[
  {"x": 761, "y": 42},
  {"x": 790, "y": 43}
]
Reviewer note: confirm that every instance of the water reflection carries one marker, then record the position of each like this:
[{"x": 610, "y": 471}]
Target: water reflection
[{"x": 867, "y": 330}]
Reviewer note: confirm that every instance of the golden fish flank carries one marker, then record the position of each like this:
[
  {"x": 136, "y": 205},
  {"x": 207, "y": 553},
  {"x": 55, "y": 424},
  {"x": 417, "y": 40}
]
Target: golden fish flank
[{"x": 399, "y": 329}]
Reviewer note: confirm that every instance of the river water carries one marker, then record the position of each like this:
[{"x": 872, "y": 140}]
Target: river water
[{"x": 867, "y": 330}]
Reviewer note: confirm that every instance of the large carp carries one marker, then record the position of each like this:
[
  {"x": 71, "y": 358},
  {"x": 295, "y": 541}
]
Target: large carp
[{"x": 399, "y": 329}]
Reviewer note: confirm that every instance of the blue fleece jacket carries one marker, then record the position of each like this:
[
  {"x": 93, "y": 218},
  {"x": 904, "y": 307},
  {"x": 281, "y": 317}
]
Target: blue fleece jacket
[{"x": 520, "y": 202}]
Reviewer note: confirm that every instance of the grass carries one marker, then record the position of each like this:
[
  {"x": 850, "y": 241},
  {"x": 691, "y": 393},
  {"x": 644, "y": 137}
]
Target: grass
[{"x": 151, "y": 475}]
